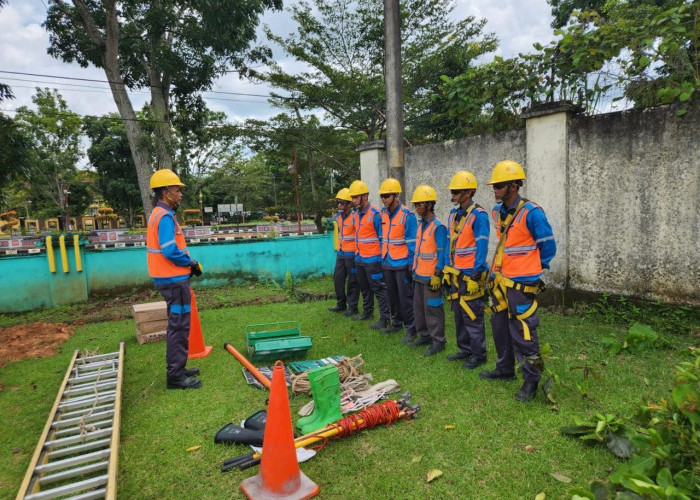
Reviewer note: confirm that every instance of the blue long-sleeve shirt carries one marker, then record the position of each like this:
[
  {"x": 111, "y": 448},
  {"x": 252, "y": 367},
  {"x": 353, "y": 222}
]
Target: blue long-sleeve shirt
[
  {"x": 166, "y": 241},
  {"x": 442, "y": 243},
  {"x": 541, "y": 231},
  {"x": 481, "y": 229},
  {"x": 377, "y": 223},
  {"x": 410, "y": 228}
]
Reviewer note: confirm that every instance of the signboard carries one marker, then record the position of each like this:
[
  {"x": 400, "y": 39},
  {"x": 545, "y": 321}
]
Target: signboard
[
  {"x": 208, "y": 210},
  {"x": 223, "y": 208}
]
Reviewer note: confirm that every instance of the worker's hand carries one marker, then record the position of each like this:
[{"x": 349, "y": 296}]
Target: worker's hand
[
  {"x": 435, "y": 282},
  {"x": 195, "y": 268},
  {"x": 446, "y": 280},
  {"x": 472, "y": 286}
]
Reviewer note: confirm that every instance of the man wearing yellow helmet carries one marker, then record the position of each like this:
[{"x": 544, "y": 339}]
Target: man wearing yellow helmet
[
  {"x": 345, "y": 270},
  {"x": 469, "y": 245},
  {"x": 368, "y": 256},
  {"x": 398, "y": 244},
  {"x": 170, "y": 266},
  {"x": 526, "y": 247},
  {"x": 428, "y": 262}
]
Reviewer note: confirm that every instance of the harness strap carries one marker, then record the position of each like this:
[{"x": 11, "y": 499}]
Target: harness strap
[
  {"x": 457, "y": 229},
  {"x": 499, "y": 293}
]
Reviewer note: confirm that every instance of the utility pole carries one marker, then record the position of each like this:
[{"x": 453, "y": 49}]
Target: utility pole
[
  {"x": 296, "y": 186},
  {"x": 394, "y": 97}
]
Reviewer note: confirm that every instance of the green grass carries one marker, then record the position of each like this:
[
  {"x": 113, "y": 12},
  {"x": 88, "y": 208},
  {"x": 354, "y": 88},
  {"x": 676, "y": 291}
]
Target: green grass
[{"x": 483, "y": 457}]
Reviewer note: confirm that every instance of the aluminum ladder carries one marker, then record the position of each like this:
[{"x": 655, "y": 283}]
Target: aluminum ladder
[{"x": 77, "y": 453}]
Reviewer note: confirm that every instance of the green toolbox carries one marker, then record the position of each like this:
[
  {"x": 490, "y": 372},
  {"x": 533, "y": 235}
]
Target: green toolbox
[{"x": 272, "y": 341}]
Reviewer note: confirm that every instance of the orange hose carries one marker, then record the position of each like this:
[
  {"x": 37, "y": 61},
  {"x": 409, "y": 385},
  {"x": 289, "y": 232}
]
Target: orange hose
[{"x": 248, "y": 365}]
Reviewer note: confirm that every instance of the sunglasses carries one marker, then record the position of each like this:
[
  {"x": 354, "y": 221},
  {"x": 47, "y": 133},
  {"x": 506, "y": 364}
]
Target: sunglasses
[
  {"x": 501, "y": 185},
  {"x": 385, "y": 196},
  {"x": 419, "y": 204},
  {"x": 456, "y": 191},
  {"x": 341, "y": 202}
]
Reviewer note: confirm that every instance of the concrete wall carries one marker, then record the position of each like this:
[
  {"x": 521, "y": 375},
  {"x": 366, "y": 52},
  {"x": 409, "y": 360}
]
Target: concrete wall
[{"x": 621, "y": 191}]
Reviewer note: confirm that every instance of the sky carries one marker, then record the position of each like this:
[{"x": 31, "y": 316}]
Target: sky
[{"x": 518, "y": 24}]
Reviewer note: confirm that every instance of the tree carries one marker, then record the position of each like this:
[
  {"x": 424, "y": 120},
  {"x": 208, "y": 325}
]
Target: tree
[
  {"x": 15, "y": 147},
  {"x": 343, "y": 47},
  {"x": 175, "y": 49},
  {"x": 109, "y": 154},
  {"x": 54, "y": 132},
  {"x": 5, "y": 91}
]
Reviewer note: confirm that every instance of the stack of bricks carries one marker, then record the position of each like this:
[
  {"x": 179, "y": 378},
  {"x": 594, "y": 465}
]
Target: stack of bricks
[{"x": 151, "y": 321}]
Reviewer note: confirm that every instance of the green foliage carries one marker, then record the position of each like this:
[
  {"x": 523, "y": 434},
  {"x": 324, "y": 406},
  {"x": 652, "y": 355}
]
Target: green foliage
[
  {"x": 679, "y": 320},
  {"x": 342, "y": 42},
  {"x": 665, "y": 441},
  {"x": 639, "y": 338}
]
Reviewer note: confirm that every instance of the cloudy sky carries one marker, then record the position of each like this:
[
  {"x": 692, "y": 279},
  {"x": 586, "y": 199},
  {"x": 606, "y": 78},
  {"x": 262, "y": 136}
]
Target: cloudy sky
[{"x": 23, "y": 43}]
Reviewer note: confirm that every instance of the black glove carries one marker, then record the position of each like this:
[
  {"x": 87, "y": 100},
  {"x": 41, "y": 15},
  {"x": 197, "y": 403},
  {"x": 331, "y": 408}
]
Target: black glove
[{"x": 195, "y": 268}]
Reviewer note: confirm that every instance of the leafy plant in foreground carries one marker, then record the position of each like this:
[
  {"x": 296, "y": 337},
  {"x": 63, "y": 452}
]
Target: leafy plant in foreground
[{"x": 639, "y": 338}]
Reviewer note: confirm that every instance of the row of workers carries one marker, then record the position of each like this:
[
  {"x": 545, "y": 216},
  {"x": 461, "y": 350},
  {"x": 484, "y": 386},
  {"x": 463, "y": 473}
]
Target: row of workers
[{"x": 409, "y": 265}]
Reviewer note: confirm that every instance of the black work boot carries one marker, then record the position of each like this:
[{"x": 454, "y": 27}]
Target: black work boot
[
  {"x": 434, "y": 349},
  {"x": 527, "y": 392},
  {"x": 391, "y": 329},
  {"x": 184, "y": 383},
  {"x": 457, "y": 356},
  {"x": 497, "y": 375},
  {"x": 363, "y": 316},
  {"x": 421, "y": 341},
  {"x": 473, "y": 362},
  {"x": 379, "y": 324},
  {"x": 337, "y": 309},
  {"x": 351, "y": 312},
  {"x": 191, "y": 372},
  {"x": 409, "y": 338}
]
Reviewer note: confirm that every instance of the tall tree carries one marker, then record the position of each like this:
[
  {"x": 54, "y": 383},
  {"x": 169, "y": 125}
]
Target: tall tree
[
  {"x": 342, "y": 44},
  {"x": 55, "y": 134},
  {"x": 109, "y": 154},
  {"x": 175, "y": 49}
]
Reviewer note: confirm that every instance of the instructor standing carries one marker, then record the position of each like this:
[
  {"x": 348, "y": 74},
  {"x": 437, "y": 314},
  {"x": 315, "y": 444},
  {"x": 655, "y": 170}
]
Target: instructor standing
[{"x": 170, "y": 266}]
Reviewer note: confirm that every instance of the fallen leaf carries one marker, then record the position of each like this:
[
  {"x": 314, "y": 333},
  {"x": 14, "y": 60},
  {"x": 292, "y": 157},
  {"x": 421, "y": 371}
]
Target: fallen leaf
[
  {"x": 325, "y": 338},
  {"x": 416, "y": 459},
  {"x": 16, "y": 450},
  {"x": 541, "y": 496},
  {"x": 560, "y": 477},
  {"x": 433, "y": 474},
  {"x": 449, "y": 427},
  {"x": 194, "y": 448},
  {"x": 531, "y": 422},
  {"x": 529, "y": 448}
]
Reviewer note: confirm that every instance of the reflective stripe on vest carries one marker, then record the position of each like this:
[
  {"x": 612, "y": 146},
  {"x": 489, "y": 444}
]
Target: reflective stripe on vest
[
  {"x": 425, "y": 260},
  {"x": 346, "y": 232},
  {"x": 158, "y": 265},
  {"x": 521, "y": 257},
  {"x": 394, "y": 234},
  {"x": 366, "y": 236},
  {"x": 465, "y": 245}
]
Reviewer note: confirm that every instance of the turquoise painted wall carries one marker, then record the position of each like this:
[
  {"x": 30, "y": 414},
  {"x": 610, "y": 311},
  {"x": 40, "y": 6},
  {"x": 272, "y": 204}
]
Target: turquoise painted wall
[{"x": 28, "y": 283}]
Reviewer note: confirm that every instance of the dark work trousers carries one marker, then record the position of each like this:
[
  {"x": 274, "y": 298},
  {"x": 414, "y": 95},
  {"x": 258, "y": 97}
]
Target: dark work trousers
[
  {"x": 371, "y": 280},
  {"x": 509, "y": 339},
  {"x": 399, "y": 287},
  {"x": 345, "y": 272},
  {"x": 177, "y": 297},
  {"x": 471, "y": 334},
  {"x": 428, "y": 312}
]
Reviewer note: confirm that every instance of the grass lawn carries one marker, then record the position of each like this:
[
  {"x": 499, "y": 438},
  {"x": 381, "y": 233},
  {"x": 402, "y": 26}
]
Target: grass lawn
[{"x": 498, "y": 449}]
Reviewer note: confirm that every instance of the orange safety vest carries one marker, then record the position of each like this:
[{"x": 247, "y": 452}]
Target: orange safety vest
[
  {"x": 521, "y": 257},
  {"x": 394, "y": 234},
  {"x": 465, "y": 246},
  {"x": 346, "y": 232},
  {"x": 366, "y": 237},
  {"x": 158, "y": 265},
  {"x": 426, "y": 257}
]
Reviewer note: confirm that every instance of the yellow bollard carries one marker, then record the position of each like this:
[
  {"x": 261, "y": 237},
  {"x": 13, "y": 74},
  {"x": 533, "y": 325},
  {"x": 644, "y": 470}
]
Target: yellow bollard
[
  {"x": 78, "y": 258},
  {"x": 64, "y": 254},
  {"x": 49, "y": 255}
]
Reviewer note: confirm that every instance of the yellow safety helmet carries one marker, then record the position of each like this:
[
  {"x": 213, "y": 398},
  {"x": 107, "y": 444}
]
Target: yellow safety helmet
[
  {"x": 164, "y": 178},
  {"x": 424, "y": 193},
  {"x": 463, "y": 180},
  {"x": 343, "y": 194},
  {"x": 507, "y": 170},
  {"x": 390, "y": 186},
  {"x": 357, "y": 188}
]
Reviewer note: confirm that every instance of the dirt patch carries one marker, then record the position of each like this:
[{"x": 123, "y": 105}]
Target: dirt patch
[{"x": 32, "y": 340}]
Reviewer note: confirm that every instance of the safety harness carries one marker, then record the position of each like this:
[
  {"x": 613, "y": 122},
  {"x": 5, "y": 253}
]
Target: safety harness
[
  {"x": 451, "y": 276},
  {"x": 498, "y": 285}
]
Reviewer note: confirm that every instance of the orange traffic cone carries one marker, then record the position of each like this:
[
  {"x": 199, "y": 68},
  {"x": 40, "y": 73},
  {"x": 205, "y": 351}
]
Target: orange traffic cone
[
  {"x": 279, "y": 475},
  {"x": 196, "y": 348}
]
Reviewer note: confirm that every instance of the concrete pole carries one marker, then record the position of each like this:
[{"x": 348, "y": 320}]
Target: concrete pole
[{"x": 394, "y": 98}]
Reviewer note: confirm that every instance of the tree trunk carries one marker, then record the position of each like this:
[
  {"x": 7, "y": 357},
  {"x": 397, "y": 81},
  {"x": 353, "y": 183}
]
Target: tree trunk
[{"x": 160, "y": 101}]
